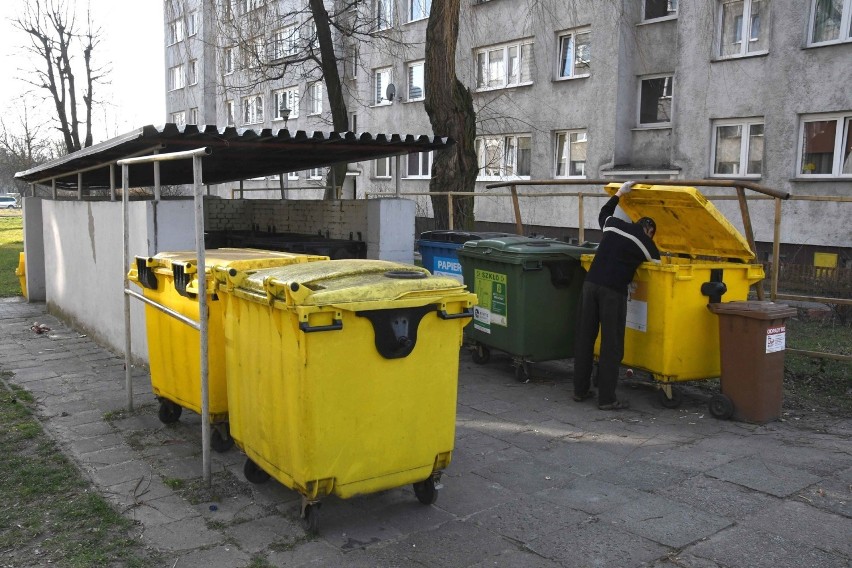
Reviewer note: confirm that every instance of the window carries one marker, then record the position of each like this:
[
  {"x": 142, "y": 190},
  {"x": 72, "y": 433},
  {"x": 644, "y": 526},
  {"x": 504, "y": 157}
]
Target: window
[
  {"x": 286, "y": 42},
  {"x": 315, "y": 173},
  {"x": 229, "y": 113},
  {"x": 739, "y": 19},
  {"x": 309, "y": 35},
  {"x": 738, "y": 148},
  {"x": 381, "y": 80},
  {"x": 826, "y": 146},
  {"x": 253, "y": 109},
  {"x": 175, "y": 33},
  {"x": 504, "y": 156},
  {"x": 504, "y": 66},
  {"x": 384, "y": 14},
  {"x": 177, "y": 77},
  {"x": 418, "y": 9},
  {"x": 254, "y": 53},
  {"x": 179, "y": 118},
  {"x": 831, "y": 21},
  {"x": 382, "y": 168},
  {"x": 287, "y": 99},
  {"x": 656, "y": 9},
  {"x": 315, "y": 98},
  {"x": 418, "y": 165},
  {"x": 571, "y": 153},
  {"x": 229, "y": 56},
  {"x": 351, "y": 62},
  {"x": 193, "y": 115},
  {"x": 192, "y": 24},
  {"x": 416, "y": 81},
  {"x": 353, "y": 122},
  {"x": 193, "y": 72},
  {"x": 574, "y": 54},
  {"x": 655, "y": 100}
]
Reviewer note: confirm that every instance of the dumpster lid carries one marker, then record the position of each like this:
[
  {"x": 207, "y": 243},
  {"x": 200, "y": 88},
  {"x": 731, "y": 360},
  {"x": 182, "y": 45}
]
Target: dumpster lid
[
  {"x": 452, "y": 236},
  {"x": 348, "y": 281},
  {"x": 754, "y": 310},
  {"x": 238, "y": 258},
  {"x": 514, "y": 249},
  {"x": 687, "y": 223}
]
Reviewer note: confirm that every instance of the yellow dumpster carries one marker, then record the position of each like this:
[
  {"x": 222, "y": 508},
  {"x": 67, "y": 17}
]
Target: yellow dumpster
[
  {"x": 21, "y": 273},
  {"x": 343, "y": 375},
  {"x": 171, "y": 280},
  {"x": 670, "y": 332}
]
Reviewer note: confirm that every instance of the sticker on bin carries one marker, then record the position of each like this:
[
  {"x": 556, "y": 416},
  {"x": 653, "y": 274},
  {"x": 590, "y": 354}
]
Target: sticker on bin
[
  {"x": 637, "y": 306},
  {"x": 445, "y": 266},
  {"x": 481, "y": 319},
  {"x": 775, "y": 339},
  {"x": 491, "y": 290}
]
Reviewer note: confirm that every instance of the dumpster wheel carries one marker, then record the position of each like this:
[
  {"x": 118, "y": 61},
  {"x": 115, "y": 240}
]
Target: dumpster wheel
[
  {"x": 721, "y": 406},
  {"x": 220, "y": 437},
  {"x": 253, "y": 472},
  {"x": 670, "y": 397},
  {"x": 310, "y": 515},
  {"x": 481, "y": 354},
  {"x": 426, "y": 491},
  {"x": 169, "y": 412}
]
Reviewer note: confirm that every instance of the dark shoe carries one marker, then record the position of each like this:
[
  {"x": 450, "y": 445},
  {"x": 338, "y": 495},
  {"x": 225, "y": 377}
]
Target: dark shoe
[
  {"x": 581, "y": 397},
  {"x": 617, "y": 405}
]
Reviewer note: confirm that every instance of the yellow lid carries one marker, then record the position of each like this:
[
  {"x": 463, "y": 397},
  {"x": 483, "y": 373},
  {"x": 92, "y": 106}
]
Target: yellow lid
[{"x": 238, "y": 258}]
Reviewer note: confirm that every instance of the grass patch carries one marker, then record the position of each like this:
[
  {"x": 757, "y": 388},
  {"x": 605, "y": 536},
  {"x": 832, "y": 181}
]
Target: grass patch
[
  {"x": 48, "y": 513},
  {"x": 11, "y": 244}
]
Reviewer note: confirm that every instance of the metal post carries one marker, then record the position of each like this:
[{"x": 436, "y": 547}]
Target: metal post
[
  {"x": 80, "y": 186},
  {"x": 281, "y": 186},
  {"x": 581, "y": 225},
  {"x": 201, "y": 275},
  {"x": 157, "y": 188},
  {"x": 450, "y": 216},
  {"x": 241, "y": 190},
  {"x": 125, "y": 216},
  {"x": 776, "y": 252},
  {"x": 111, "y": 182}
]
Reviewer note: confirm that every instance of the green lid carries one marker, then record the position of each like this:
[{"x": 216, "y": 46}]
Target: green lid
[{"x": 517, "y": 250}]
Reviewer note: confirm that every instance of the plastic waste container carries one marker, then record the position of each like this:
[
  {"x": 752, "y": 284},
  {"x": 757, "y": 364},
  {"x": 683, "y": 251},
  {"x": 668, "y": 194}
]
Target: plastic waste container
[
  {"x": 170, "y": 279},
  {"x": 343, "y": 375},
  {"x": 439, "y": 250},
  {"x": 21, "y": 273},
  {"x": 752, "y": 338},
  {"x": 670, "y": 333},
  {"x": 528, "y": 293}
]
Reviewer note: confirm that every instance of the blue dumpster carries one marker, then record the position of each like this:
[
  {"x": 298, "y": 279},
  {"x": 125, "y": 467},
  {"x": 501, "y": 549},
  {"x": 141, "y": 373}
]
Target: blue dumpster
[{"x": 438, "y": 250}]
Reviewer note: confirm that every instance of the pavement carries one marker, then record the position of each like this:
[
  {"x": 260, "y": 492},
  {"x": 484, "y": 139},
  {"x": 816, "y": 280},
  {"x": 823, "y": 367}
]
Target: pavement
[{"x": 537, "y": 480}]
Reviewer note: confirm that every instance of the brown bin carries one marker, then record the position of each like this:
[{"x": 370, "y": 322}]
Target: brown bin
[{"x": 752, "y": 341}]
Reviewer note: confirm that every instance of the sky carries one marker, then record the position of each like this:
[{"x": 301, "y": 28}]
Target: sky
[{"x": 132, "y": 46}]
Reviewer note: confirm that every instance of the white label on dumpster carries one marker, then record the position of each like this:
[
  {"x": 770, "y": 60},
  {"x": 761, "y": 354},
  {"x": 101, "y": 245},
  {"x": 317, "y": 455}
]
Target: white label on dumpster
[
  {"x": 637, "y": 306},
  {"x": 775, "y": 339},
  {"x": 448, "y": 267},
  {"x": 481, "y": 319}
]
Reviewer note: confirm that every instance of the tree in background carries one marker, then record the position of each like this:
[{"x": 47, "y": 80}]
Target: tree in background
[{"x": 23, "y": 146}]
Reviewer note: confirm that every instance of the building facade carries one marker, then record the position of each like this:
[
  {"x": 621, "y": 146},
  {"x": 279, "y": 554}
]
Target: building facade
[{"x": 756, "y": 90}]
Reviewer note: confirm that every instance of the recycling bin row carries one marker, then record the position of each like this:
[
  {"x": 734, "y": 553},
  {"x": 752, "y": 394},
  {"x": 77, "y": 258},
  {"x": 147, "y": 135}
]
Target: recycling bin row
[{"x": 335, "y": 377}]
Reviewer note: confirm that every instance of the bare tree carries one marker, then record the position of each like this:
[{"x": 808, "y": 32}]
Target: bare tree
[
  {"x": 55, "y": 43},
  {"x": 23, "y": 146},
  {"x": 450, "y": 108}
]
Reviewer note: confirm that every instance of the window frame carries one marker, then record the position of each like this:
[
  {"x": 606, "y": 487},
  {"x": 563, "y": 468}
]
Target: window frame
[
  {"x": 425, "y": 9},
  {"x": 379, "y": 89},
  {"x": 424, "y": 163},
  {"x": 505, "y": 63},
  {"x": 388, "y": 167},
  {"x": 383, "y": 19},
  {"x": 178, "y": 118},
  {"x": 573, "y": 33},
  {"x": 745, "y": 145},
  {"x": 192, "y": 72},
  {"x": 408, "y": 83},
  {"x": 557, "y": 158},
  {"x": 842, "y": 139},
  {"x": 176, "y": 31},
  {"x": 502, "y": 168},
  {"x": 673, "y": 12},
  {"x": 177, "y": 77},
  {"x": 315, "y": 98},
  {"x": 285, "y": 41},
  {"x": 845, "y": 26},
  {"x": 193, "y": 116},
  {"x": 253, "y": 110},
  {"x": 230, "y": 117},
  {"x": 191, "y": 27},
  {"x": 229, "y": 59},
  {"x": 663, "y": 124},
  {"x": 739, "y": 29},
  {"x": 291, "y": 94}
]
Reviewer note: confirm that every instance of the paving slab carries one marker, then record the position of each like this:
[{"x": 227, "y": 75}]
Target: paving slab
[{"x": 763, "y": 475}]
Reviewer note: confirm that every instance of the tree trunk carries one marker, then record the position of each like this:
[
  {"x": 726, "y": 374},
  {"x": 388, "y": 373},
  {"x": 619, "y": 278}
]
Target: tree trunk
[{"x": 450, "y": 108}]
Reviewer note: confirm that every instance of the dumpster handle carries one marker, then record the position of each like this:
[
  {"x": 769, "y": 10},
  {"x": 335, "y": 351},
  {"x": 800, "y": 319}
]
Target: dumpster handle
[
  {"x": 336, "y": 325},
  {"x": 466, "y": 313}
]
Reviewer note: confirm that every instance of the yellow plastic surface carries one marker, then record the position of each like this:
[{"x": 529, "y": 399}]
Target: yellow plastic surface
[
  {"x": 174, "y": 354},
  {"x": 21, "y": 273},
  {"x": 324, "y": 412}
]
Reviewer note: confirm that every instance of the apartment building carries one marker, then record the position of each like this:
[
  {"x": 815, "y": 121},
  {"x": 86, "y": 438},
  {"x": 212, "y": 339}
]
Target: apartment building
[{"x": 756, "y": 90}]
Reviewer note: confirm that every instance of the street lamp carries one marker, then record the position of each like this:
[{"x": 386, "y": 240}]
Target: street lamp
[{"x": 285, "y": 114}]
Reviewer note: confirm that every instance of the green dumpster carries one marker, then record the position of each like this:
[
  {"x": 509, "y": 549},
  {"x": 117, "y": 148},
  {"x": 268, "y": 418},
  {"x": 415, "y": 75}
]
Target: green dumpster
[{"x": 528, "y": 295}]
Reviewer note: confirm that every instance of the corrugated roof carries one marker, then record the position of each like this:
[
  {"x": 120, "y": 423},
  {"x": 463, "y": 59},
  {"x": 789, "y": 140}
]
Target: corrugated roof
[{"x": 237, "y": 154}]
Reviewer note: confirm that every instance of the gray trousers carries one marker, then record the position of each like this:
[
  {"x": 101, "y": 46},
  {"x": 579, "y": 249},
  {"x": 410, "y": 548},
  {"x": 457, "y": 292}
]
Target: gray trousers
[{"x": 603, "y": 309}]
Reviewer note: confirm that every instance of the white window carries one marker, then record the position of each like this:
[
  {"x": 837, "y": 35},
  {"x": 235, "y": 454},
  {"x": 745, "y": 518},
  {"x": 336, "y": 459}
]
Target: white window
[
  {"x": 175, "y": 33},
  {"x": 351, "y": 63},
  {"x": 177, "y": 77},
  {"x": 287, "y": 99},
  {"x": 504, "y": 66},
  {"x": 309, "y": 35},
  {"x": 418, "y": 9},
  {"x": 193, "y": 115},
  {"x": 571, "y": 149},
  {"x": 656, "y": 9},
  {"x": 504, "y": 156},
  {"x": 740, "y": 19},
  {"x": 383, "y": 11},
  {"x": 416, "y": 81},
  {"x": 382, "y": 168},
  {"x": 315, "y": 98},
  {"x": 825, "y": 144},
  {"x": 574, "y": 54},
  {"x": 286, "y": 42},
  {"x": 315, "y": 173},
  {"x": 253, "y": 109},
  {"x": 830, "y": 21},
  {"x": 229, "y": 113},
  {"x": 418, "y": 165},
  {"x": 353, "y": 122},
  {"x": 293, "y": 176},
  {"x": 254, "y": 53},
  {"x": 738, "y": 148},
  {"x": 229, "y": 56},
  {"x": 192, "y": 24},
  {"x": 655, "y": 100},
  {"x": 179, "y": 118},
  {"x": 381, "y": 80},
  {"x": 193, "y": 72}
]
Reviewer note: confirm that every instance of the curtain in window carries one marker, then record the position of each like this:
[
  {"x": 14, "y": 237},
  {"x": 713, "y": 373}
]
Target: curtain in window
[
  {"x": 818, "y": 147},
  {"x": 524, "y": 155},
  {"x": 827, "y": 16},
  {"x": 755, "y": 150}
]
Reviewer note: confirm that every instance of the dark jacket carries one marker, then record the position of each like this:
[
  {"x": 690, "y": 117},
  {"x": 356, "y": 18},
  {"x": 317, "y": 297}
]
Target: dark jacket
[{"x": 622, "y": 249}]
